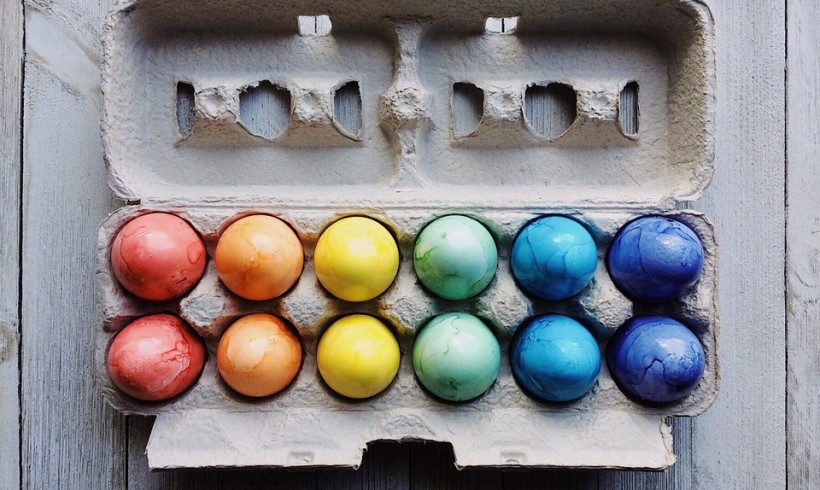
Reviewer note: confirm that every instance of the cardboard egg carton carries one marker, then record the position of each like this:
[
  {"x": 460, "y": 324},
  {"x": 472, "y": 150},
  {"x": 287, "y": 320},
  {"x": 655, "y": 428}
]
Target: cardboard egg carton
[{"x": 502, "y": 111}]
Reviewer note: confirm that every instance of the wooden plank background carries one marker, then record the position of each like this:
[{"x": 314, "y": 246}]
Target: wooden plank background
[
  {"x": 11, "y": 35},
  {"x": 71, "y": 439},
  {"x": 803, "y": 238}
]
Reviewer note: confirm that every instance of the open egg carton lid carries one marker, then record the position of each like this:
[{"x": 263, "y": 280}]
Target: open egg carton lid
[
  {"x": 416, "y": 108},
  {"x": 587, "y": 104}
]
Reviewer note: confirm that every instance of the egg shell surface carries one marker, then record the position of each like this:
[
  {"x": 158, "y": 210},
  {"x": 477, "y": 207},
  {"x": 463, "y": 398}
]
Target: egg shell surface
[
  {"x": 655, "y": 359},
  {"x": 259, "y": 355},
  {"x": 259, "y": 257},
  {"x": 358, "y": 356},
  {"x": 158, "y": 256},
  {"x": 456, "y": 356},
  {"x": 155, "y": 357},
  {"x": 554, "y": 258},
  {"x": 555, "y": 358},
  {"x": 356, "y": 259},
  {"x": 655, "y": 259},
  {"x": 455, "y": 257}
]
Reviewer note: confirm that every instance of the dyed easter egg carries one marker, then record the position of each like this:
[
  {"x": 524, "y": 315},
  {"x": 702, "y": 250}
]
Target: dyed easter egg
[
  {"x": 259, "y": 257},
  {"x": 456, "y": 357},
  {"x": 655, "y": 359},
  {"x": 259, "y": 355},
  {"x": 157, "y": 256},
  {"x": 358, "y": 356},
  {"x": 554, "y": 258},
  {"x": 555, "y": 358},
  {"x": 655, "y": 259},
  {"x": 356, "y": 259},
  {"x": 155, "y": 357},
  {"x": 455, "y": 257}
]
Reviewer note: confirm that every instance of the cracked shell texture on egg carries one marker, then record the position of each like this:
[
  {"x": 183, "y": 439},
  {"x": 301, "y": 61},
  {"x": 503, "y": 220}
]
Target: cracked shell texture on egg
[
  {"x": 655, "y": 359},
  {"x": 655, "y": 259},
  {"x": 455, "y": 257},
  {"x": 156, "y": 357},
  {"x": 259, "y": 257},
  {"x": 555, "y": 358},
  {"x": 456, "y": 357},
  {"x": 158, "y": 256},
  {"x": 554, "y": 258}
]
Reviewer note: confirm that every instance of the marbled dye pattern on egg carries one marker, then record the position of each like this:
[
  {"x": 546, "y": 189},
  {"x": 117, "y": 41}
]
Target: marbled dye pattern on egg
[
  {"x": 456, "y": 357},
  {"x": 155, "y": 357},
  {"x": 655, "y": 259},
  {"x": 158, "y": 256},
  {"x": 655, "y": 359},
  {"x": 555, "y": 358},
  {"x": 455, "y": 257},
  {"x": 554, "y": 258}
]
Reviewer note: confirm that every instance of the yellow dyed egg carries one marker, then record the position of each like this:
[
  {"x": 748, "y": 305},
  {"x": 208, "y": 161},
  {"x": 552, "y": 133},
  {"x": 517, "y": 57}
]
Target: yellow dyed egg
[
  {"x": 259, "y": 257},
  {"x": 356, "y": 259},
  {"x": 259, "y": 355},
  {"x": 358, "y": 356}
]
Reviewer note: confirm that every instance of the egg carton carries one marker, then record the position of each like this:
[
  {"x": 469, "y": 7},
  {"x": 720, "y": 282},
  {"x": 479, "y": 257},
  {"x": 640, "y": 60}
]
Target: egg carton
[{"x": 501, "y": 111}]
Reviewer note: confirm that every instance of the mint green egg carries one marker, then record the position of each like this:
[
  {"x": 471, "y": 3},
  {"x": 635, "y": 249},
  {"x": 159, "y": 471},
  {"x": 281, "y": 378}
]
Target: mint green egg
[
  {"x": 455, "y": 257},
  {"x": 456, "y": 357}
]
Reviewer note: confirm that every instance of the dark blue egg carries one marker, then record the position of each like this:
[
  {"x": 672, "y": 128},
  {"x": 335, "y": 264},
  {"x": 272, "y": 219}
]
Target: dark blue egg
[
  {"x": 655, "y": 259},
  {"x": 554, "y": 258},
  {"x": 555, "y": 358},
  {"x": 655, "y": 359}
]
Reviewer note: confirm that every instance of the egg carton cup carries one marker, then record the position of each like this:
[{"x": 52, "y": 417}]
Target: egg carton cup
[{"x": 601, "y": 110}]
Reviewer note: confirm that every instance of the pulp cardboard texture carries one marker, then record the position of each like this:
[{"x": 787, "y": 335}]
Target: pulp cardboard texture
[{"x": 405, "y": 112}]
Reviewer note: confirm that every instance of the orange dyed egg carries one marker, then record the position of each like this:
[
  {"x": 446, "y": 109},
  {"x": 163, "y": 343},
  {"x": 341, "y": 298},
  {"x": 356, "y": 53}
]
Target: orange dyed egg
[
  {"x": 158, "y": 256},
  {"x": 259, "y": 355},
  {"x": 259, "y": 257}
]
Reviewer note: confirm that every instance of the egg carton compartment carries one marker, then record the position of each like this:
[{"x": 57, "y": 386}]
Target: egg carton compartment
[
  {"x": 608, "y": 103},
  {"x": 406, "y": 306}
]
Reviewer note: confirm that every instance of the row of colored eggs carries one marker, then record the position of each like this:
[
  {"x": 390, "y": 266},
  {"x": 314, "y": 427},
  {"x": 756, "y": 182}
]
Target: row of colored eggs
[
  {"x": 159, "y": 257},
  {"x": 456, "y": 357}
]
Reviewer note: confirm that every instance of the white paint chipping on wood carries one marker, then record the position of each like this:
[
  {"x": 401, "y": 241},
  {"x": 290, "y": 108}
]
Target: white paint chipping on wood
[
  {"x": 803, "y": 239},
  {"x": 71, "y": 439},
  {"x": 11, "y": 50}
]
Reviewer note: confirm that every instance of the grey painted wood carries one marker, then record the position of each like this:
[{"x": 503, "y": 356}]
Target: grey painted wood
[
  {"x": 803, "y": 239},
  {"x": 11, "y": 50},
  {"x": 71, "y": 439},
  {"x": 740, "y": 441}
]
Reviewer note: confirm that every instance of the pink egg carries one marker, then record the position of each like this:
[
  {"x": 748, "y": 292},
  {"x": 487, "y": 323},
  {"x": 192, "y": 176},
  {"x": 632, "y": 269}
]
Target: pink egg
[
  {"x": 158, "y": 256},
  {"x": 156, "y": 357}
]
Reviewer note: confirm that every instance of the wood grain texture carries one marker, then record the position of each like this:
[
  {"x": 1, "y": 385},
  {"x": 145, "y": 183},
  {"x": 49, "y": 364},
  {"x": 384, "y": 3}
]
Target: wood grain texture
[
  {"x": 71, "y": 439},
  {"x": 740, "y": 441},
  {"x": 11, "y": 51},
  {"x": 803, "y": 239}
]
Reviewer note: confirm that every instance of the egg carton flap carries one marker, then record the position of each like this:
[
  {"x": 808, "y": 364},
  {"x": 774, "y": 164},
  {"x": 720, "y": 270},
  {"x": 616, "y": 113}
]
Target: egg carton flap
[
  {"x": 308, "y": 438},
  {"x": 583, "y": 103}
]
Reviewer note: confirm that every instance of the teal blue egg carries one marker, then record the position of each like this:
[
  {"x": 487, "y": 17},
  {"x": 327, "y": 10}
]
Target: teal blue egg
[
  {"x": 456, "y": 357},
  {"x": 455, "y": 257},
  {"x": 554, "y": 258},
  {"x": 555, "y": 358}
]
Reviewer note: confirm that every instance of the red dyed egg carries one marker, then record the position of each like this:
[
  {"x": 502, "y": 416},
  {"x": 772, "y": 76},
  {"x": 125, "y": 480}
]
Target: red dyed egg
[
  {"x": 156, "y": 357},
  {"x": 158, "y": 256}
]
